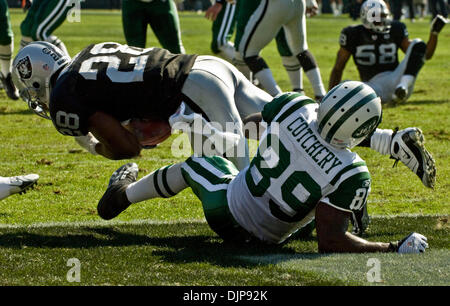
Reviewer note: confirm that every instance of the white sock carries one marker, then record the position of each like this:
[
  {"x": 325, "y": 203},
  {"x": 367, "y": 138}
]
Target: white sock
[
  {"x": 316, "y": 82},
  {"x": 227, "y": 51},
  {"x": 5, "y": 58},
  {"x": 25, "y": 41},
  {"x": 407, "y": 81},
  {"x": 293, "y": 69},
  {"x": 339, "y": 8},
  {"x": 164, "y": 182},
  {"x": 268, "y": 82},
  {"x": 59, "y": 43},
  {"x": 333, "y": 7},
  {"x": 381, "y": 141}
]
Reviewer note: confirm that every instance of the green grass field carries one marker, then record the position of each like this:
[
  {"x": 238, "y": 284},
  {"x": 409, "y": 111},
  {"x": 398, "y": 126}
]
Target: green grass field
[{"x": 167, "y": 242}]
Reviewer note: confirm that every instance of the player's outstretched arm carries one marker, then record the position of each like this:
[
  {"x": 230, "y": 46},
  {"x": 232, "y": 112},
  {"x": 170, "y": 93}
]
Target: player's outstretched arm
[
  {"x": 115, "y": 142},
  {"x": 332, "y": 235},
  {"x": 336, "y": 73}
]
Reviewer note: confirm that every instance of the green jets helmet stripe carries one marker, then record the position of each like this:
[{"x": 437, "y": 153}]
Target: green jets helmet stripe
[
  {"x": 346, "y": 169},
  {"x": 274, "y": 107},
  {"x": 338, "y": 105},
  {"x": 348, "y": 114}
]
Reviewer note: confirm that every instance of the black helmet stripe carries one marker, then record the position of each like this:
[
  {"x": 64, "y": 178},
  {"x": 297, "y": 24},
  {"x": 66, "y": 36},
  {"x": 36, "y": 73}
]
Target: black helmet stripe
[
  {"x": 338, "y": 104},
  {"x": 348, "y": 114}
]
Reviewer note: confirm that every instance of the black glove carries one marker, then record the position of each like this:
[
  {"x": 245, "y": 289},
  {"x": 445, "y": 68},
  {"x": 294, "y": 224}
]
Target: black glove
[{"x": 438, "y": 23}]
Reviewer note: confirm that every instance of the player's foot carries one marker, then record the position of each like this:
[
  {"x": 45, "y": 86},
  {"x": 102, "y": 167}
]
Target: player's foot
[
  {"x": 408, "y": 146},
  {"x": 115, "y": 200},
  {"x": 8, "y": 86},
  {"x": 299, "y": 90},
  {"x": 20, "y": 184},
  {"x": 400, "y": 94}
]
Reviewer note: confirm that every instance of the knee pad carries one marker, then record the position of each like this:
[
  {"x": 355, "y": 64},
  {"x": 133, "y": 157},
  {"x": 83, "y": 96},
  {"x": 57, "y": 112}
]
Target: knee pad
[
  {"x": 307, "y": 60},
  {"x": 255, "y": 63}
]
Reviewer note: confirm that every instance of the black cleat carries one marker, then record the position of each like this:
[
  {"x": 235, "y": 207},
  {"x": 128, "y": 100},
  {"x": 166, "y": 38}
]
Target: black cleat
[
  {"x": 115, "y": 200},
  {"x": 408, "y": 146},
  {"x": 400, "y": 94},
  {"x": 8, "y": 86}
]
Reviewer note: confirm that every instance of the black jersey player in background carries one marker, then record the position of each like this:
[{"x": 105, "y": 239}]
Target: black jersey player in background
[{"x": 374, "y": 47}]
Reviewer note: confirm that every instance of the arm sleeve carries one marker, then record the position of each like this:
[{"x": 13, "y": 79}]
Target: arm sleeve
[{"x": 346, "y": 39}]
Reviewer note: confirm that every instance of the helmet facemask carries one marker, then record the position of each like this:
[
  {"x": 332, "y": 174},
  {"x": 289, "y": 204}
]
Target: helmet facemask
[{"x": 376, "y": 16}]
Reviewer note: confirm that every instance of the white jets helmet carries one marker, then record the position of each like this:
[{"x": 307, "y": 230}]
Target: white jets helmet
[
  {"x": 32, "y": 70},
  {"x": 375, "y": 16},
  {"x": 348, "y": 113}
]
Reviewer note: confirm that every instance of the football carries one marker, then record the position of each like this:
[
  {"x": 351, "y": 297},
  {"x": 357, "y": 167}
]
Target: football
[{"x": 149, "y": 132}]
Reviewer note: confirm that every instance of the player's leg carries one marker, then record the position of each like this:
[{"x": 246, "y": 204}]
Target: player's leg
[
  {"x": 295, "y": 30},
  {"x": 222, "y": 30},
  {"x": 166, "y": 25},
  {"x": 261, "y": 28},
  {"x": 50, "y": 15},
  {"x": 134, "y": 22},
  {"x": 123, "y": 189},
  {"x": 409, "y": 68},
  {"x": 26, "y": 27},
  {"x": 16, "y": 184},
  {"x": 290, "y": 62},
  {"x": 6, "y": 50},
  {"x": 217, "y": 89}
]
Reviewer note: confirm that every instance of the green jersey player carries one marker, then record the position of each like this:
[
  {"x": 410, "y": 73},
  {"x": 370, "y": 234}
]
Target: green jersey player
[
  {"x": 303, "y": 171},
  {"x": 43, "y": 18},
  {"x": 6, "y": 50},
  {"x": 161, "y": 15}
]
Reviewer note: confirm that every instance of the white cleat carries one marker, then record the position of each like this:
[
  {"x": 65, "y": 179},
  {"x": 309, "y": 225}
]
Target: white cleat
[
  {"x": 408, "y": 146},
  {"x": 20, "y": 184}
]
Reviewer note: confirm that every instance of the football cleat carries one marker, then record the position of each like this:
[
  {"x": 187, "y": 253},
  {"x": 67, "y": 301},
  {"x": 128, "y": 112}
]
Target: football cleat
[
  {"x": 20, "y": 184},
  {"x": 408, "y": 146},
  {"x": 115, "y": 200},
  {"x": 400, "y": 94},
  {"x": 8, "y": 86}
]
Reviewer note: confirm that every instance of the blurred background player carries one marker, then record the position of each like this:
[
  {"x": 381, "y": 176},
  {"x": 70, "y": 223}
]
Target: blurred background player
[
  {"x": 43, "y": 18},
  {"x": 336, "y": 6},
  {"x": 6, "y": 50},
  {"x": 374, "y": 47},
  {"x": 16, "y": 184},
  {"x": 261, "y": 26},
  {"x": 223, "y": 16},
  {"x": 161, "y": 15}
]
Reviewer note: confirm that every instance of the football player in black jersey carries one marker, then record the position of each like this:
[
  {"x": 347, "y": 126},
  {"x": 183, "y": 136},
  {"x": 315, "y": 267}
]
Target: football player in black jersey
[
  {"x": 107, "y": 84},
  {"x": 374, "y": 46}
]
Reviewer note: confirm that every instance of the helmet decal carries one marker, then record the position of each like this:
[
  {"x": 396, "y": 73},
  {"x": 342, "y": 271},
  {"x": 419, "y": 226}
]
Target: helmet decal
[
  {"x": 24, "y": 68},
  {"x": 366, "y": 128}
]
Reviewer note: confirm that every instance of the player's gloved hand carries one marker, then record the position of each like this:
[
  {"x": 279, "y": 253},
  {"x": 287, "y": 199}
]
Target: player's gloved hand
[
  {"x": 413, "y": 243},
  {"x": 213, "y": 11},
  {"x": 26, "y": 4},
  {"x": 437, "y": 24},
  {"x": 360, "y": 221},
  {"x": 88, "y": 142},
  {"x": 311, "y": 8}
]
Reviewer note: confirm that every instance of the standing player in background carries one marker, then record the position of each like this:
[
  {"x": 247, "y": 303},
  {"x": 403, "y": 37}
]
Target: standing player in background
[
  {"x": 16, "y": 184},
  {"x": 223, "y": 16},
  {"x": 374, "y": 47},
  {"x": 6, "y": 50},
  {"x": 43, "y": 18},
  {"x": 161, "y": 15},
  {"x": 264, "y": 24}
]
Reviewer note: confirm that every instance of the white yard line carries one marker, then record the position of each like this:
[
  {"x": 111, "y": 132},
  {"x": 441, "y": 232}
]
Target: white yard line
[{"x": 101, "y": 223}]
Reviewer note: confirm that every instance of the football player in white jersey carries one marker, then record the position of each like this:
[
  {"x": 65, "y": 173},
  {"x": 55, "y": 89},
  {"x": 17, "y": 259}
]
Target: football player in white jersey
[{"x": 303, "y": 171}]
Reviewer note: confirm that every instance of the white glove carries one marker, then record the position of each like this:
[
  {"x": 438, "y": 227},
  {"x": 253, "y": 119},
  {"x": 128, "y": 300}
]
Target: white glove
[
  {"x": 88, "y": 142},
  {"x": 413, "y": 243}
]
